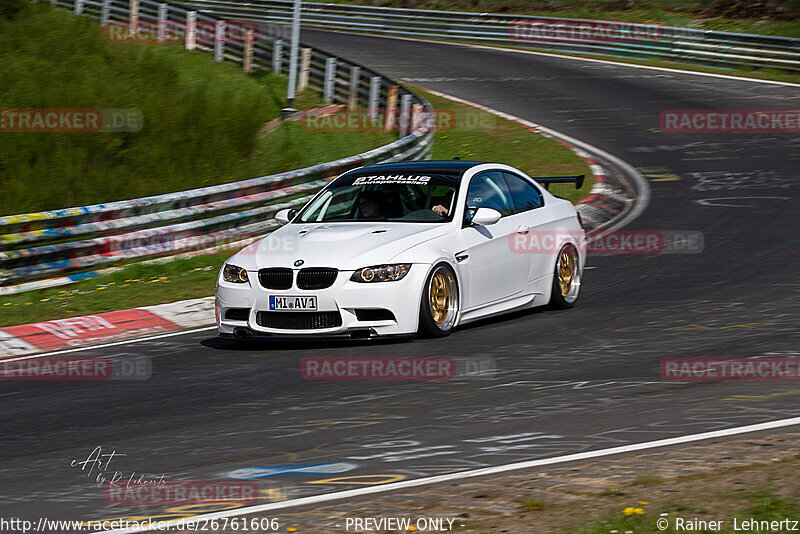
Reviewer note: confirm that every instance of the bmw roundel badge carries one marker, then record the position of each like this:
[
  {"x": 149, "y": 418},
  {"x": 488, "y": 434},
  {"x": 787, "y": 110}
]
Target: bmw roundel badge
[{"x": 298, "y": 263}]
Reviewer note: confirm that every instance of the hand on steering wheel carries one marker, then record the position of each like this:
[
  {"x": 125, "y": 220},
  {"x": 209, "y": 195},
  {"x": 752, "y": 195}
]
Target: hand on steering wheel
[{"x": 441, "y": 210}]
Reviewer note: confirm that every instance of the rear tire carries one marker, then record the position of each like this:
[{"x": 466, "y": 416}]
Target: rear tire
[
  {"x": 566, "y": 278},
  {"x": 438, "y": 308}
]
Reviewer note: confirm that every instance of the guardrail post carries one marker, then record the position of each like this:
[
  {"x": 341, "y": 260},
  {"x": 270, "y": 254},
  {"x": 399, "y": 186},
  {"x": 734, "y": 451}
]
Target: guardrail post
[
  {"x": 105, "y": 10},
  {"x": 374, "y": 96},
  {"x": 405, "y": 113},
  {"x": 355, "y": 78},
  {"x": 191, "y": 30},
  {"x": 305, "y": 67},
  {"x": 391, "y": 108},
  {"x": 133, "y": 21},
  {"x": 78, "y": 7},
  {"x": 219, "y": 40},
  {"x": 163, "y": 11},
  {"x": 277, "y": 55},
  {"x": 247, "y": 59},
  {"x": 330, "y": 79},
  {"x": 416, "y": 110}
]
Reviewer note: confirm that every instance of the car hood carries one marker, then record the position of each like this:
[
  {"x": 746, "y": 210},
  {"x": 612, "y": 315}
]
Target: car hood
[{"x": 345, "y": 246}]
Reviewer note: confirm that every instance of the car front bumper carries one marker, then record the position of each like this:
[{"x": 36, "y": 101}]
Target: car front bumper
[{"x": 346, "y": 298}]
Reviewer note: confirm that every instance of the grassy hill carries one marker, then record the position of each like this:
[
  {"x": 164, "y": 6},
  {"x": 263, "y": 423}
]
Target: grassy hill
[{"x": 201, "y": 119}]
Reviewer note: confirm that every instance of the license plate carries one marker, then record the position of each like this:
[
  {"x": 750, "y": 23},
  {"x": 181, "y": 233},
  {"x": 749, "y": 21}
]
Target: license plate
[{"x": 290, "y": 303}]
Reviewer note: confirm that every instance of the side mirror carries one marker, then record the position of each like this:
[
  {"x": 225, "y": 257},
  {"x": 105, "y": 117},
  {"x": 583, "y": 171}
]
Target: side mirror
[
  {"x": 285, "y": 215},
  {"x": 486, "y": 216}
]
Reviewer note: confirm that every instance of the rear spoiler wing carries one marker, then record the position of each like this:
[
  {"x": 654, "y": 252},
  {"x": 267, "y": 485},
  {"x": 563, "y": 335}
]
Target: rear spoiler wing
[{"x": 561, "y": 180}]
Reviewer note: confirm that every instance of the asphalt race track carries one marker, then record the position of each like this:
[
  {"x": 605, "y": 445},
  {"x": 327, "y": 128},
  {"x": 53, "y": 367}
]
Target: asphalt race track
[{"x": 565, "y": 382}]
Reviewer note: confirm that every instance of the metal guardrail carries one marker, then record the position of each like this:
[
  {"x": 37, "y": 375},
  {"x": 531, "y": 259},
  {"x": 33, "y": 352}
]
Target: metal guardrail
[
  {"x": 566, "y": 35},
  {"x": 61, "y": 241}
]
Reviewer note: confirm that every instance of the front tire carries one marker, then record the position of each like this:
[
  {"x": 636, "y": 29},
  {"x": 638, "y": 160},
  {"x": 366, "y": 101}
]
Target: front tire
[
  {"x": 566, "y": 278},
  {"x": 439, "y": 306}
]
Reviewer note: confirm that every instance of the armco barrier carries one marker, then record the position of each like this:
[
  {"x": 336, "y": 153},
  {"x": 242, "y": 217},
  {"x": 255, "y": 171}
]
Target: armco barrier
[
  {"x": 60, "y": 241},
  {"x": 565, "y": 35}
]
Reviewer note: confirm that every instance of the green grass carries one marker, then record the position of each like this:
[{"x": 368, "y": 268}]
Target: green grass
[
  {"x": 147, "y": 284},
  {"x": 137, "y": 285},
  {"x": 763, "y": 505},
  {"x": 201, "y": 119},
  {"x": 723, "y": 15},
  {"x": 767, "y": 506}
]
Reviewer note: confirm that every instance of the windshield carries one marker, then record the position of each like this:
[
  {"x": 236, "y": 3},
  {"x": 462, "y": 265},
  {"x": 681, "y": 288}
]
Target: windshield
[{"x": 385, "y": 198}]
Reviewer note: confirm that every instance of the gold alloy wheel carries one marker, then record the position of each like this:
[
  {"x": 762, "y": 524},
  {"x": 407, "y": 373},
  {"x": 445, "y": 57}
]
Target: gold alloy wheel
[
  {"x": 443, "y": 298},
  {"x": 568, "y": 280}
]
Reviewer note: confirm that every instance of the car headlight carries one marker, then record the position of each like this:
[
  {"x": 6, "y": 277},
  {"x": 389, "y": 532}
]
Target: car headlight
[
  {"x": 234, "y": 274},
  {"x": 381, "y": 273}
]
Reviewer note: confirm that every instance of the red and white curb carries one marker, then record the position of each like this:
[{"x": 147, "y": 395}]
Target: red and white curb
[{"x": 75, "y": 332}]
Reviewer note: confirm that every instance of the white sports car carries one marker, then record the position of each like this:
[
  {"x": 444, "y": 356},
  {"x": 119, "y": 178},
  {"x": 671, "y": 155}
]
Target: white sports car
[{"x": 407, "y": 248}]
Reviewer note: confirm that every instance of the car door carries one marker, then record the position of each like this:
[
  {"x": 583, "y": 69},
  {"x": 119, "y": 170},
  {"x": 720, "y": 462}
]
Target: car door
[
  {"x": 495, "y": 272},
  {"x": 535, "y": 226}
]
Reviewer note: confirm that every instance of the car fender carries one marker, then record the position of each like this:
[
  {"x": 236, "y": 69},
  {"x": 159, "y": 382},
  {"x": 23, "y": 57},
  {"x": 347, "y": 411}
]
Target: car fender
[{"x": 450, "y": 262}]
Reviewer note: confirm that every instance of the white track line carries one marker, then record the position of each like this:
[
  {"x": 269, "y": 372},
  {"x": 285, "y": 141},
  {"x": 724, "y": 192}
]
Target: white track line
[
  {"x": 327, "y": 497},
  {"x": 104, "y": 345}
]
